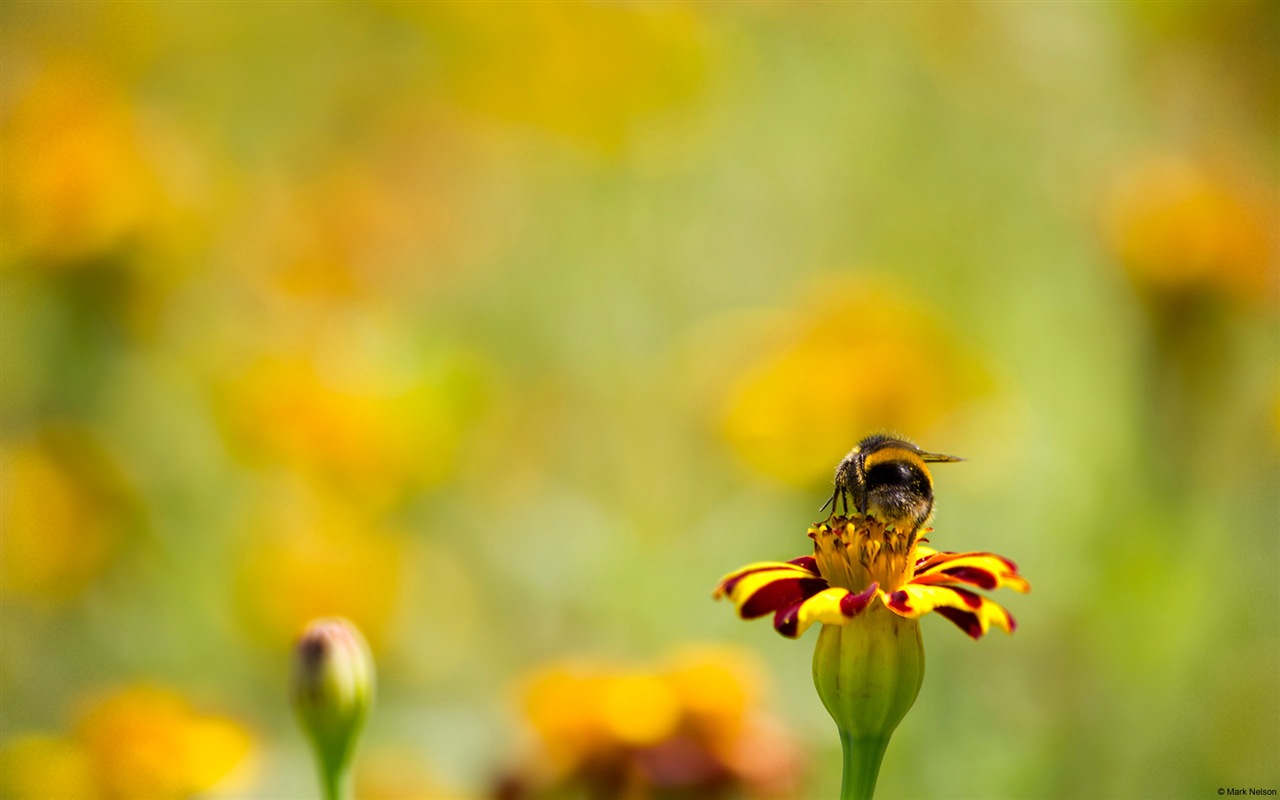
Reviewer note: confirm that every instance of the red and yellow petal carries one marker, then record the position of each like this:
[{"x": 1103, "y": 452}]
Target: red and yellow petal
[
  {"x": 982, "y": 570},
  {"x": 803, "y": 566},
  {"x": 770, "y": 586},
  {"x": 972, "y": 613},
  {"x": 832, "y": 606}
]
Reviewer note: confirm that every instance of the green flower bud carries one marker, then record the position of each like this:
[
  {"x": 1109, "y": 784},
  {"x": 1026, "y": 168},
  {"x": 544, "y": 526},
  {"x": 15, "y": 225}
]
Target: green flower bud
[
  {"x": 868, "y": 673},
  {"x": 332, "y": 690}
]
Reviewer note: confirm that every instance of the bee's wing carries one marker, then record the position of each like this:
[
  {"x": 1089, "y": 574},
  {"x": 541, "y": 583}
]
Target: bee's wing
[{"x": 938, "y": 457}]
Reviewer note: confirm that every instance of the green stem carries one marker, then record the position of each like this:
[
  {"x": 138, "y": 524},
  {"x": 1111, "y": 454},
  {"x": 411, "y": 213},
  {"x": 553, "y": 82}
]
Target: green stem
[
  {"x": 335, "y": 784},
  {"x": 862, "y": 757}
]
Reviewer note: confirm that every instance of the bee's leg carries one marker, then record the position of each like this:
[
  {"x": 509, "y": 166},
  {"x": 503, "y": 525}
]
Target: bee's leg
[{"x": 918, "y": 521}]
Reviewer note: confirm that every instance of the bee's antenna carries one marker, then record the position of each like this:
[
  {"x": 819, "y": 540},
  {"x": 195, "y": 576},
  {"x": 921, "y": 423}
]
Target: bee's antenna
[
  {"x": 939, "y": 458},
  {"x": 831, "y": 501}
]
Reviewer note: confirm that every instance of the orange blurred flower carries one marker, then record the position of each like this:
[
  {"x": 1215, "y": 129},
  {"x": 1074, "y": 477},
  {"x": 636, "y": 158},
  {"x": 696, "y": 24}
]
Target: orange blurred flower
[
  {"x": 62, "y": 509},
  {"x": 140, "y": 742},
  {"x": 851, "y": 358},
  {"x": 689, "y": 727},
  {"x": 148, "y": 742},
  {"x": 74, "y": 179},
  {"x": 1179, "y": 227},
  {"x": 359, "y": 424}
]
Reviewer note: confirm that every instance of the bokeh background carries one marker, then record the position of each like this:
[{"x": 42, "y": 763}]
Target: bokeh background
[{"x": 505, "y": 330}]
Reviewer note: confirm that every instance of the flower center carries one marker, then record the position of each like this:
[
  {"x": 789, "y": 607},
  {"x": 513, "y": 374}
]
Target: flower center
[{"x": 854, "y": 552}]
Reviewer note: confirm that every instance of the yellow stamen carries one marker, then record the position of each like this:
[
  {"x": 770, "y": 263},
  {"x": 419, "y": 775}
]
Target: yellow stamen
[{"x": 854, "y": 552}]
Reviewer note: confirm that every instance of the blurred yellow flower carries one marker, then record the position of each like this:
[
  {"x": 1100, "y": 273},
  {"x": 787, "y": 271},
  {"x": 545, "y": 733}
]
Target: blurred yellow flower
[
  {"x": 60, "y": 516},
  {"x": 311, "y": 555},
  {"x": 1179, "y": 227},
  {"x": 638, "y": 709},
  {"x": 356, "y": 424},
  {"x": 588, "y": 71},
  {"x": 851, "y": 358},
  {"x": 561, "y": 704},
  {"x": 716, "y": 690},
  {"x": 139, "y": 742},
  {"x": 149, "y": 742},
  {"x": 74, "y": 179},
  {"x": 649, "y": 733},
  {"x": 577, "y": 712}
]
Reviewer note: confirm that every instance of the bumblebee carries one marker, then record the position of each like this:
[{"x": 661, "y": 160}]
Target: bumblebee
[{"x": 887, "y": 478}]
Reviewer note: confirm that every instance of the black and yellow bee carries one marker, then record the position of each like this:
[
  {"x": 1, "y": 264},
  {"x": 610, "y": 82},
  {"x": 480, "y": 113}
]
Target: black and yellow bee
[{"x": 886, "y": 478}]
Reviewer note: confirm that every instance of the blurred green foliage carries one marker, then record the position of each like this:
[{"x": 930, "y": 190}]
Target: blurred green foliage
[{"x": 504, "y": 330}]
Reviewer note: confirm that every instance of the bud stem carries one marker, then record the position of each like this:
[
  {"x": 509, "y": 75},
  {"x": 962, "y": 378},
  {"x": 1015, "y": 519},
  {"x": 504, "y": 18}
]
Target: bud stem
[
  {"x": 336, "y": 783},
  {"x": 862, "y": 757}
]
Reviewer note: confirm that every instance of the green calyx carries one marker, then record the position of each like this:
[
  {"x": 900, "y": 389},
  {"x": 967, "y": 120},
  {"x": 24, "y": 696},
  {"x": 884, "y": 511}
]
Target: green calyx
[{"x": 868, "y": 673}]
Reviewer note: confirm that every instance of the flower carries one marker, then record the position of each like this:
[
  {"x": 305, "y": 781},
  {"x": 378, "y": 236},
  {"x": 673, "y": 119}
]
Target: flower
[
  {"x": 858, "y": 560},
  {"x": 65, "y": 510},
  {"x": 138, "y": 741},
  {"x": 869, "y": 582},
  {"x": 77, "y": 178},
  {"x": 149, "y": 742},
  {"x": 690, "y": 728},
  {"x": 1182, "y": 227},
  {"x": 349, "y": 417}
]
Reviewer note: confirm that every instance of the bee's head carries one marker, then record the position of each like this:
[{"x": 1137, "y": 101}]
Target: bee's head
[{"x": 887, "y": 477}]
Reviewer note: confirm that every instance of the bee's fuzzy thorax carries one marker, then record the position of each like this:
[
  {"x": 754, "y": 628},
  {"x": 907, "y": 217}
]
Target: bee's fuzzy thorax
[{"x": 887, "y": 477}]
